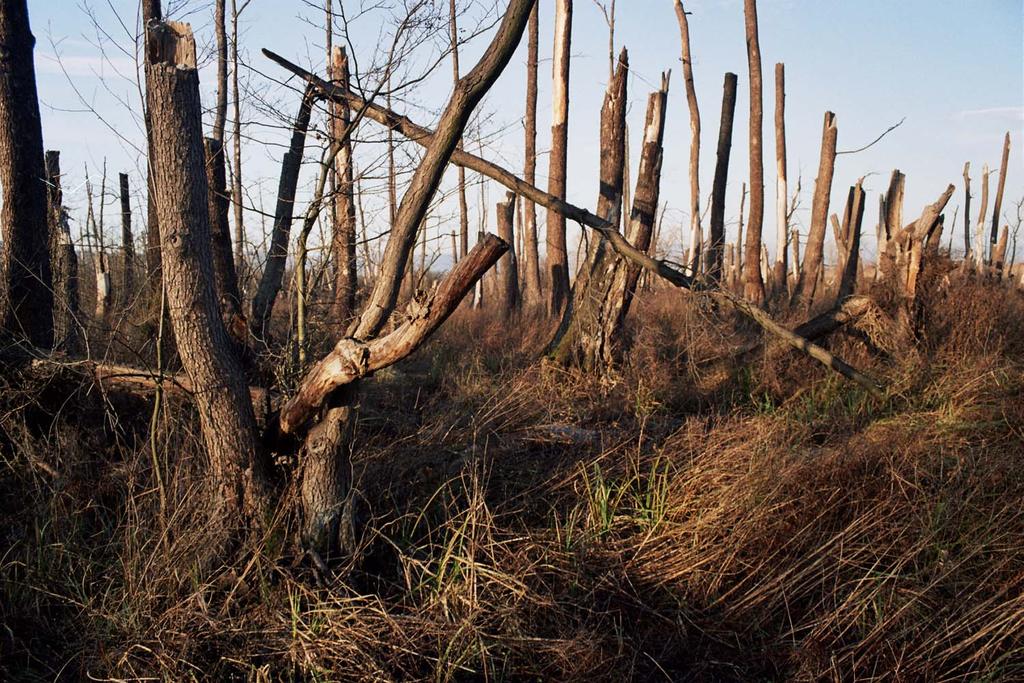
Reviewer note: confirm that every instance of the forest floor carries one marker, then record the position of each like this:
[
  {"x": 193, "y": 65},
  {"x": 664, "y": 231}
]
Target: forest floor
[{"x": 698, "y": 514}]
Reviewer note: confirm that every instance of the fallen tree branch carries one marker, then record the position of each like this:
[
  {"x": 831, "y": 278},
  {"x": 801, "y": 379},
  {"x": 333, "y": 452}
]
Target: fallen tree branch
[
  {"x": 423, "y": 136},
  {"x": 352, "y": 359}
]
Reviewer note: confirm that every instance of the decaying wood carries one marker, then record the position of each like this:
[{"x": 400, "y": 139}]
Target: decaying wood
[
  {"x": 914, "y": 236},
  {"x": 753, "y": 285},
  {"x": 352, "y": 359},
  {"x": 815, "y": 250},
  {"x": 557, "y": 256}
]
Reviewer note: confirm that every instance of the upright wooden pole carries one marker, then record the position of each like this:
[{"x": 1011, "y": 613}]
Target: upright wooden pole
[
  {"x": 696, "y": 233},
  {"x": 814, "y": 253},
  {"x": 753, "y": 286},
  {"x": 781, "y": 189},
  {"x": 557, "y": 256},
  {"x": 529, "y": 213},
  {"x": 716, "y": 238}
]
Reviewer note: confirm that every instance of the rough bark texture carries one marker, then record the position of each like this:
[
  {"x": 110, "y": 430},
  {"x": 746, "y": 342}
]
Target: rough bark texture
[
  {"x": 150, "y": 13},
  {"x": 224, "y": 280},
  {"x": 582, "y": 320},
  {"x": 814, "y": 253},
  {"x": 998, "y": 202},
  {"x": 716, "y": 238},
  {"x": 238, "y": 469},
  {"x": 557, "y": 256},
  {"x": 26, "y": 297},
  {"x": 508, "y": 266},
  {"x": 65, "y": 262},
  {"x": 343, "y": 237},
  {"x": 781, "y": 188},
  {"x": 277, "y": 255},
  {"x": 531, "y": 273},
  {"x": 127, "y": 243},
  {"x": 893, "y": 223},
  {"x": 753, "y": 286},
  {"x": 696, "y": 233}
]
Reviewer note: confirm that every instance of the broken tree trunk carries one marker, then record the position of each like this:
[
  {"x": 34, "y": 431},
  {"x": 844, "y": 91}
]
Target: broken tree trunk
[
  {"x": 753, "y": 286},
  {"x": 998, "y": 203},
  {"x": 716, "y": 238},
  {"x": 238, "y": 468},
  {"x": 508, "y": 277},
  {"x": 852, "y": 219},
  {"x": 557, "y": 256},
  {"x": 980, "y": 255},
  {"x": 967, "y": 211},
  {"x": 814, "y": 252},
  {"x": 781, "y": 189},
  {"x": 65, "y": 262},
  {"x": 892, "y": 224},
  {"x": 26, "y": 297},
  {"x": 696, "y": 233},
  {"x": 532, "y": 279},
  {"x": 127, "y": 244},
  {"x": 277, "y": 254}
]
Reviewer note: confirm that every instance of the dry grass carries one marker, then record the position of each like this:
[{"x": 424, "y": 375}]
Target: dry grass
[{"x": 691, "y": 518}]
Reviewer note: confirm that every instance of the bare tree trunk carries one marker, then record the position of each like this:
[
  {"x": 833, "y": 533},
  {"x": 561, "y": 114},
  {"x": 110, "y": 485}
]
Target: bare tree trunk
[
  {"x": 999, "y": 254},
  {"x": 998, "y": 203},
  {"x": 127, "y": 244},
  {"x": 853, "y": 218},
  {"x": 753, "y": 286},
  {"x": 343, "y": 242},
  {"x": 238, "y": 468},
  {"x": 794, "y": 241},
  {"x": 220, "y": 111},
  {"x": 967, "y": 211},
  {"x": 892, "y": 223},
  {"x": 463, "y": 205},
  {"x": 508, "y": 294},
  {"x": 532, "y": 277},
  {"x": 781, "y": 189},
  {"x": 236, "y": 177},
  {"x": 277, "y": 254},
  {"x": 696, "y": 233},
  {"x": 737, "y": 274},
  {"x": 224, "y": 279},
  {"x": 557, "y": 256},
  {"x": 26, "y": 298},
  {"x": 65, "y": 262},
  {"x": 980, "y": 255},
  {"x": 99, "y": 254},
  {"x": 814, "y": 253},
  {"x": 154, "y": 276},
  {"x": 717, "y": 234},
  {"x": 577, "y": 338}
]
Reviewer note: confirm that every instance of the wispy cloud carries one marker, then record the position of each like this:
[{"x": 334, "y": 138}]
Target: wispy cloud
[
  {"x": 1006, "y": 113},
  {"x": 83, "y": 65}
]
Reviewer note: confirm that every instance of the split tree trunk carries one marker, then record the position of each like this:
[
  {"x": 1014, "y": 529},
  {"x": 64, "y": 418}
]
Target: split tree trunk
[
  {"x": 238, "y": 468},
  {"x": 716, "y": 238},
  {"x": 853, "y": 218},
  {"x": 26, "y": 298},
  {"x": 892, "y": 223},
  {"x": 65, "y": 262},
  {"x": 696, "y": 233},
  {"x": 532, "y": 278},
  {"x": 814, "y": 253},
  {"x": 753, "y": 286},
  {"x": 781, "y": 189},
  {"x": 557, "y": 256}
]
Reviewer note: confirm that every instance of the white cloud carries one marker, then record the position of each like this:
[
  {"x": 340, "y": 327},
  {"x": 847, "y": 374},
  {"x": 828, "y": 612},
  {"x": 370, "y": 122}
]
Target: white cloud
[{"x": 1007, "y": 113}]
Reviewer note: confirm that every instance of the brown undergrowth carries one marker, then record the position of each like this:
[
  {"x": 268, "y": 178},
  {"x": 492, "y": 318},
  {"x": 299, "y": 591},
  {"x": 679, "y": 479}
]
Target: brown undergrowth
[{"x": 690, "y": 517}]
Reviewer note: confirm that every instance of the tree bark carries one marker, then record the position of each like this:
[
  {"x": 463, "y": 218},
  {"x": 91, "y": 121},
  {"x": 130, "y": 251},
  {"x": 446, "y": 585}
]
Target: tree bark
[
  {"x": 26, "y": 298},
  {"x": 127, "y": 244},
  {"x": 236, "y": 176},
  {"x": 463, "y": 205},
  {"x": 343, "y": 239},
  {"x": 893, "y": 223},
  {"x": 980, "y": 255},
  {"x": 238, "y": 468},
  {"x": 716, "y": 238},
  {"x": 696, "y": 233},
  {"x": 998, "y": 203},
  {"x": 220, "y": 111},
  {"x": 508, "y": 277},
  {"x": 753, "y": 286},
  {"x": 781, "y": 189},
  {"x": 853, "y": 219},
  {"x": 150, "y": 13},
  {"x": 557, "y": 256},
  {"x": 224, "y": 278},
  {"x": 65, "y": 262},
  {"x": 277, "y": 255},
  {"x": 532, "y": 278},
  {"x": 814, "y": 252}
]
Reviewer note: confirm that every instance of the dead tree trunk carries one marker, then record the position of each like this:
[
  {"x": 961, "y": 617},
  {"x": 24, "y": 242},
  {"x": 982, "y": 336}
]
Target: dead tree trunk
[
  {"x": 999, "y": 254},
  {"x": 532, "y": 278},
  {"x": 853, "y": 218},
  {"x": 224, "y": 279},
  {"x": 582, "y": 320},
  {"x": 508, "y": 278},
  {"x": 463, "y": 205},
  {"x": 343, "y": 239},
  {"x": 238, "y": 468},
  {"x": 753, "y": 286},
  {"x": 781, "y": 189},
  {"x": 967, "y": 211},
  {"x": 101, "y": 269},
  {"x": 814, "y": 252},
  {"x": 277, "y": 255},
  {"x": 557, "y": 256},
  {"x": 65, "y": 262},
  {"x": 696, "y": 233},
  {"x": 26, "y": 298},
  {"x": 892, "y": 223},
  {"x": 150, "y": 13},
  {"x": 236, "y": 176},
  {"x": 220, "y": 111},
  {"x": 127, "y": 244},
  {"x": 998, "y": 203},
  {"x": 716, "y": 238},
  {"x": 980, "y": 255}
]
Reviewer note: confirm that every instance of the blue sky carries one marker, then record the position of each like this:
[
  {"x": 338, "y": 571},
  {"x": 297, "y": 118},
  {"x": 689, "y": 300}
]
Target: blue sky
[{"x": 953, "y": 69}]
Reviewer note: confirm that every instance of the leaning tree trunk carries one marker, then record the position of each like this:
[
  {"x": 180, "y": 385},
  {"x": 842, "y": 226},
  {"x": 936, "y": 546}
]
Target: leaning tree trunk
[
  {"x": 696, "y": 233},
  {"x": 65, "y": 262},
  {"x": 26, "y": 297},
  {"x": 716, "y": 238},
  {"x": 224, "y": 278},
  {"x": 343, "y": 236},
  {"x": 781, "y": 189},
  {"x": 237, "y": 464},
  {"x": 814, "y": 253},
  {"x": 753, "y": 285},
  {"x": 581, "y": 321},
  {"x": 531, "y": 275},
  {"x": 557, "y": 256}
]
